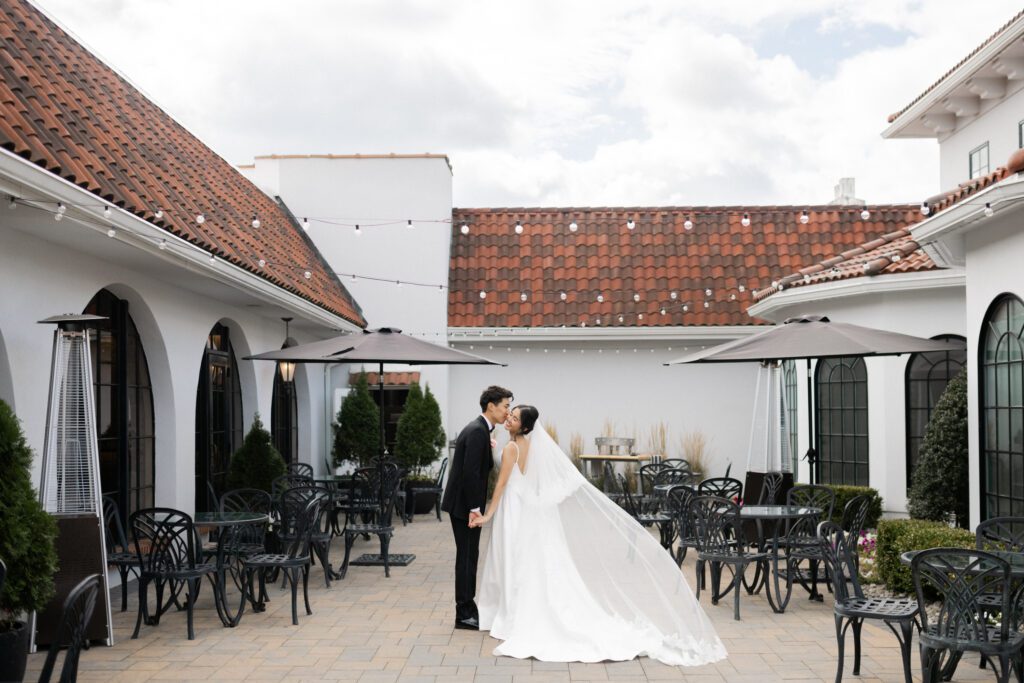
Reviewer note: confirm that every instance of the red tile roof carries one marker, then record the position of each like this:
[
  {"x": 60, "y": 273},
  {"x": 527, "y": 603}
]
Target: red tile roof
[
  {"x": 1002, "y": 29},
  {"x": 659, "y": 256},
  {"x": 391, "y": 379},
  {"x": 65, "y": 110}
]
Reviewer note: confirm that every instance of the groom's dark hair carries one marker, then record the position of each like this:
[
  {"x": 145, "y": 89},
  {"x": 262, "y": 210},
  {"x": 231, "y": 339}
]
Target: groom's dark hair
[
  {"x": 527, "y": 418},
  {"x": 493, "y": 394}
]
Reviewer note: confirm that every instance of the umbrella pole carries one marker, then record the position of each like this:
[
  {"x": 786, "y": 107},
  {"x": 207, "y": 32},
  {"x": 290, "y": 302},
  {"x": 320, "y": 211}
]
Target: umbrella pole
[
  {"x": 812, "y": 452},
  {"x": 383, "y": 448}
]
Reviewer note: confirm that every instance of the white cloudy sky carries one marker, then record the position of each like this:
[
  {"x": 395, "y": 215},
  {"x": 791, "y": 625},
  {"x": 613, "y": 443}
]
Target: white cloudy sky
[{"x": 558, "y": 102}]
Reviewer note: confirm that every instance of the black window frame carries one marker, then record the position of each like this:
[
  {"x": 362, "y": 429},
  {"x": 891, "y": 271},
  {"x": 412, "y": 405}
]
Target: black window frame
[
  {"x": 842, "y": 469},
  {"x": 1000, "y": 497},
  {"x": 935, "y": 359},
  {"x": 213, "y": 449},
  {"x": 790, "y": 383},
  {"x": 284, "y": 418}
]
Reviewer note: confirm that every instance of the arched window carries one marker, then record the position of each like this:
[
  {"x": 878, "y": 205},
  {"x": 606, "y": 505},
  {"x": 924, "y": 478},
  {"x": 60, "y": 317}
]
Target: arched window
[
  {"x": 841, "y": 385},
  {"x": 926, "y": 378},
  {"x": 124, "y": 406},
  {"x": 789, "y": 378},
  {"x": 218, "y": 416},
  {"x": 284, "y": 418},
  {"x": 1002, "y": 408}
]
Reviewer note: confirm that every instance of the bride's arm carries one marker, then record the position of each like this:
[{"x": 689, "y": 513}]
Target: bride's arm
[{"x": 507, "y": 463}]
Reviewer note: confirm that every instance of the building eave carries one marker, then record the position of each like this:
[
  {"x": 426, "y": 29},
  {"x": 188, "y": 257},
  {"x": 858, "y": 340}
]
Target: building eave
[
  {"x": 469, "y": 335},
  {"x": 843, "y": 289},
  {"x": 970, "y": 214}
]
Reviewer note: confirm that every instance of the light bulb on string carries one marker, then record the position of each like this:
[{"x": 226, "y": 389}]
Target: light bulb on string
[
  {"x": 200, "y": 219},
  {"x": 621, "y": 318},
  {"x": 673, "y": 295},
  {"x": 61, "y": 208},
  {"x": 600, "y": 298},
  {"x": 255, "y": 222},
  {"x": 111, "y": 233},
  {"x": 573, "y": 227},
  {"x": 732, "y": 297},
  {"x": 707, "y": 292},
  {"x": 353, "y": 277},
  {"x": 805, "y": 217},
  {"x": 162, "y": 244},
  {"x": 305, "y": 224},
  {"x": 688, "y": 224},
  {"x": 464, "y": 229},
  {"x": 262, "y": 263},
  {"x": 106, "y": 212},
  {"x": 399, "y": 283},
  {"x": 663, "y": 311},
  {"x": 519, "y": 228},
  {"x": 741, "y": 288},
  {"x": 685, "y": 308},
  {"x": 745, "y": 221},
  {"x": 640, "y": 316},
  {"x": 865, "y": 214},
  {"x": 58, "y": 216},
  {"x": 158, "y": 214},
  {"x": 989, "y": 210},
  {"x": 707, "y": 304},
  {"x": 14, "y": 203},
  {"x": 563, "y": 296},
  {"x": 359, "y": 233},
  {"x": 925, "y": 209},
  {"x": 636, "y": 297},
  {"x": 410, "y": 225},
  {"x": 483, "y": 294},
  {"x": 213, "y": 258},
  {"x": 630, "y": 224},
  {"x": 522, "y": 297}
]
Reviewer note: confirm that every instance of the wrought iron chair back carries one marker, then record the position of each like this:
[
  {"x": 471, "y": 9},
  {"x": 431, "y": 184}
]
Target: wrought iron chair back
[
  {"x": 805, "y": 529},
  {"x": 855, "y": 515},
  {"x": 677, "y": 464},
  {"x": 628, "y": 502},
  {"x": 716, "y": 525},
  {"x": 672, "y": 476},
  {"x": 248, "y": 500},
  {"x": 292, "y": 503},
  {"x": 610, "y": 484},
  {"x": 723, "y": 487},
  {"x": 165, "y": 540},
  {"x": 113, "y": 530},
  {"x": 441, "y": 472},
  {"x": 840, "y": 563},
  {"x": 392, "y": 485},
  {"x": 647, "y": 474},
  {"x": 771, "y": 487},
  {"x": 962, "y": 578},
  {"x": 1001, "y": 533},
  {"x": 677, "y": 502},
  {"x": 72, "y": 631},
  {"x": 287, "y": 481},
  {"x": 303, "y": 469}
]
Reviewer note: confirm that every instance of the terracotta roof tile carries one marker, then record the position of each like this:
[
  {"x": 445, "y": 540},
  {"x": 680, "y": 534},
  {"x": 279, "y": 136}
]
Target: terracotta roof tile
[
  {"x": 68, "y": 112},
  {"x": 1002, "y": 29},
  {"x": 658, "y": 257}
]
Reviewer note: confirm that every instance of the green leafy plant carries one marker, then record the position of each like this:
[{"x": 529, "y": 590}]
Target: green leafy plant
[
  {"x": 846, "y": 493},
  {"x": 897, "y": 536},
  {"x": 27, "y": 531},
  {"x": 357, "y": 426},
  {"x": 256, "y": 463},
  {"x": 940, "y": 478},
  {"x": 420, "y": 438}
]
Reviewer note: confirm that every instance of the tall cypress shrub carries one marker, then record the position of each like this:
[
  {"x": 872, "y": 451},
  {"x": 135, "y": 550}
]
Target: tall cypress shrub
[
  {"x": 412, "y": 439},
  {"x": 357, "y": 426},
  {"x": 257, "y": 463},
  {"x": 940, "y": 479},
  {"x": 27, "y": 531}
]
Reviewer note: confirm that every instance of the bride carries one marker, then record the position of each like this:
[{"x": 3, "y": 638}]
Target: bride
[{"x": 570, "y": 576}]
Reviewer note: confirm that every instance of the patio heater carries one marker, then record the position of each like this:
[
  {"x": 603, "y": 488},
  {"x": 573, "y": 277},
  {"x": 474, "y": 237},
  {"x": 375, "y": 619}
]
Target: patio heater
[
  {"x": 769, "y": 449},
  {"x": 70, "y": 485}
]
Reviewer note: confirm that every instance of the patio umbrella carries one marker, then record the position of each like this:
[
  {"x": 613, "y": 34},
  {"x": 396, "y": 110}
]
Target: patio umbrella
[
  {"x": 384, "y": 345},
  {"x": 812, "y": 336}
]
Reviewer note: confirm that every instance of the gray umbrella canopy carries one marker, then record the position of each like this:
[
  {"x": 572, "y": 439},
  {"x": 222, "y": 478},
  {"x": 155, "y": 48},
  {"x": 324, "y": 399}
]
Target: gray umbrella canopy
[
  {"x": 385, "y": 345},
  {"x": 816, "y": 337}
]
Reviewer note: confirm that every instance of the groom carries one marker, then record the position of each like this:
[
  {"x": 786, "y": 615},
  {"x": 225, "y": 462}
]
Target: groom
[{"x": 465, "y": 495}]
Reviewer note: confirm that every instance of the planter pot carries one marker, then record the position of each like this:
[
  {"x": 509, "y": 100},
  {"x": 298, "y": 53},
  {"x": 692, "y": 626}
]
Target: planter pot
[
  {"x": 13, "y": 653},
  {"x": 422, "y": 504}
]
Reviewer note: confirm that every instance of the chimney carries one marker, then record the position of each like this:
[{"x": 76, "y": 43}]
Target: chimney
[{"x": 846, "y": 194}]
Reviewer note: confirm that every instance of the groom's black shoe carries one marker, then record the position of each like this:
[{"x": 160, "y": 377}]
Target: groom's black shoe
[{"x": 471, "y": 624}]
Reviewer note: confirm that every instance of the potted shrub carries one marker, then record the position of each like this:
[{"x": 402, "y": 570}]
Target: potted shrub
[
  {"x": 357, "y": 427},
  {"x": 938, "y": 491},
  {"x": 257, "y": 463},
  {"x": 418, "y": 443},
  {"x": 27, "y": 535}
]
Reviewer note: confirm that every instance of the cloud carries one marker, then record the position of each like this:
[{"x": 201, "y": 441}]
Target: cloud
[{"x": 559, "y": 103}]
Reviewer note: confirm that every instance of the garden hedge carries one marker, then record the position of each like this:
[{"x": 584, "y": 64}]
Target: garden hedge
[{"x": 897, "y": 536}]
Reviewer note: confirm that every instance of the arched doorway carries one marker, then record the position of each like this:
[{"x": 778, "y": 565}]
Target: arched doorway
[
  {"x": 926, "y": 378},
  {"x": 284, "y": 417},
  {"x": 841, "y": 385},
  {"x": 1001, "y": 386},
  {"x": 219, "y": 424},
  {"x": 124, "y": 406}
]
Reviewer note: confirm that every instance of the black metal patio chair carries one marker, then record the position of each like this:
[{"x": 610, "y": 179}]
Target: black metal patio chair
[
  {"x": 72, "y": 631},
  {"x": 677, "y": 505},
  {"x": 435, "y": 491},
  {"x": 166, "y": 544},
  {"x": 1002, "y": 534},
  {"x": 382, "y": 527},
  {"x": 646, "y": 477},
  {"x": 634, "y": 506},
  {"x": 723, "y": 487},
  {"x": 962, "y": 578},
  {"x": 720, "y": 542},
  {"x": 292, "y": 562},
  {"x": 800, "y": 539},
  {"x": 251, "y": 538},
  {"x": 302, "y": 469},
  {"x": 771, "y": 488},
  {"x": 610, "y": 484},
  {"x": 672, "y": 476},
  {"x": 287, "y": 481},
  {"x": 292, "y": 503},
  {"x": 852, "y": 608},
  {"x": 855, "y": 515},
  {"x": 119, "y": 554}
]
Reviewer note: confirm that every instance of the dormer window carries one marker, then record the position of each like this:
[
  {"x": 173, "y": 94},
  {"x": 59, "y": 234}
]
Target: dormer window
[{"x": 978, "y": 160}]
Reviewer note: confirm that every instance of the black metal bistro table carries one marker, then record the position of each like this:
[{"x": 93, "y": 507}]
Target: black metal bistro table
[
  {"x": 230, "y": 543},
  {"x": 774, "y": 514}
]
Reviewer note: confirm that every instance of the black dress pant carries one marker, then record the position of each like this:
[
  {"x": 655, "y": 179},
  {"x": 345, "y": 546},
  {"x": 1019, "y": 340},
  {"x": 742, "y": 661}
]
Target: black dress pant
[{"x": 467, "y": 551}]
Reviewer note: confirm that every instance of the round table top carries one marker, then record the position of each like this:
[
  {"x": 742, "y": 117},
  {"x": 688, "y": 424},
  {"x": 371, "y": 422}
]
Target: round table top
[
  {"x": 230, "y": 518},
  {"x": 664, "y": 488},
  {"x": 777, "y": 511},
  {"x": 1015, "y": 560}
]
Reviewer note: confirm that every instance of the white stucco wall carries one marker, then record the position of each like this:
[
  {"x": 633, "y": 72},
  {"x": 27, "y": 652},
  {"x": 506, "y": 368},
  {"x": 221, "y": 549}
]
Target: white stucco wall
[
  {"x": 920, "y": 312},
  {"x": 42, "y": 278},
  {"x": 579, "y": 392},
  {"x": 997, "y": 126},
  {"x": 993, "y": 252},
  {"x": 369, "y": 190}
]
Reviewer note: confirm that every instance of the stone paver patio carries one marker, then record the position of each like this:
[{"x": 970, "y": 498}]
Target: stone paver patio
[{"x": 369, "y": 628}]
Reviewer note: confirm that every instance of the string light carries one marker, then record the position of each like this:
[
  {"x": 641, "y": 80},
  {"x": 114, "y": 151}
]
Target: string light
[
  {"x": 688, "y": 224},
  {"x": 636, "y": 297},
  {"x": 410, "y": 225},
  {"x": 805, "y": 217},
  {"x": 159, "y": 214},
  {"x": 522, "y": 297},
  {"x": 707, "y": 292},
  {"x": 745, "y": 221},
  {"x": 58, "y": 216},
  {"x": 483, "y": 294},
  {"x": 464, "y": 229},
  {"x": 563, "y": 296},
  {"x": 674, "y": 295},
  {"x": 989, "y": 210},
  {"x": 359, "y": 233},
  {"x": 305, "y": 224},
  {"x": 213, "y": 258},
  {"x": 262, "y": 263},
  {"x": 61, "y": 208},
  {"x": 200, "y": 219},
  {"x": 865, "y": 214},
  {"x": 600, "y": 298},
  {"x": 255, "y": 222},
  {"x": 162, "y": 244},
  {"x": 925, "y": 209},
  {"x": 630, "y": 224},
  {"x": 111, "y": 233},
  {"x": 106, "y": 212},
  {"x": 573, "y": 227},
  {"x": 519, "y": 228}
]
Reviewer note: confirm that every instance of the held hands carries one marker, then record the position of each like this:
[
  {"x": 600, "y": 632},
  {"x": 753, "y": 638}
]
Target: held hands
[{"x": 478, "y": 520}]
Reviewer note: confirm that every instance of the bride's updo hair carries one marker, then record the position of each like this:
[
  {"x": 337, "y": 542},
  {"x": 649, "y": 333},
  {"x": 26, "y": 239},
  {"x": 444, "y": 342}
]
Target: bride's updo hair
[{"x": 527, "y": 418}]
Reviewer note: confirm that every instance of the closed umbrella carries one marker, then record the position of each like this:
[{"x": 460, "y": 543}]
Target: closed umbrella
[
  {"x": 812, "y": 336},
  {"x": 383, "y": 345}
]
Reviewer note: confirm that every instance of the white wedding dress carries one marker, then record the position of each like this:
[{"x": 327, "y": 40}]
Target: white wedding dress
[{"x": 571, "y": 577}]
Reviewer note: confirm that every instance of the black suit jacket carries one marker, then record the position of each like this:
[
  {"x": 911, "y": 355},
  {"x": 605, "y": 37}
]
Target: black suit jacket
[{"x": 471, "y": 465}]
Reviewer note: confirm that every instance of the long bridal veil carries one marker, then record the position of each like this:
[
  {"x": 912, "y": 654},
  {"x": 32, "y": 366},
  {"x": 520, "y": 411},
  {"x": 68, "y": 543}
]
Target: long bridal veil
[{"x": 601, "y": 566}]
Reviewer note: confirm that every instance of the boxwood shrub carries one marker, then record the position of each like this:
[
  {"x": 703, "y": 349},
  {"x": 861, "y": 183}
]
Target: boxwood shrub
[
  {"x": 845, "y": 494},
  {"x": 897, "y": 536}
]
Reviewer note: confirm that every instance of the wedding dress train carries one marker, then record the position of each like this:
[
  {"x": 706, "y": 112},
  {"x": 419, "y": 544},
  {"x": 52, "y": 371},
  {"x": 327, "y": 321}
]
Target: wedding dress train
[{"x": 571, "y": 577}]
